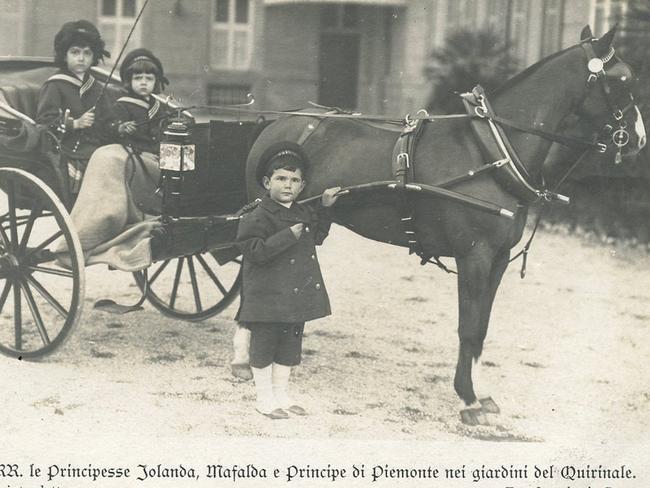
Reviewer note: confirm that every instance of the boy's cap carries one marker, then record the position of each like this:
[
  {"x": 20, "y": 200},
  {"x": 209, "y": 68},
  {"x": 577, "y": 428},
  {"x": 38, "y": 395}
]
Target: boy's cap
[
  {"x": 80, "y": 32},
  {"x": 142, "y": 54},
  {"x": 285, "y": 151}
]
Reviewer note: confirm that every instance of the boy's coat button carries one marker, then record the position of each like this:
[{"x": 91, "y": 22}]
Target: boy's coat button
[
  {"x": 313, "y": 256},
  {"x": 295, "y": 291},
  {"x": 317, "y": 286},
  {"x": 292, "y": 261}
]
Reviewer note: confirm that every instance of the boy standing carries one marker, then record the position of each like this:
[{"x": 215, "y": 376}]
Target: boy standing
[
  {"x": 282, "y": 283},
  {"x": 69, "y": 101}
]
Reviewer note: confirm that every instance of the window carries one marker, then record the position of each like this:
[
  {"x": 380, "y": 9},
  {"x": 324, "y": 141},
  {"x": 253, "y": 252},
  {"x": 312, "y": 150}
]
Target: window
[
  {"x": 228, "y": 94},
  {"x": 12, "y": 23},
  {"x": 232, "y": 34},
  {"x": 116, "y": 18},
  {"x": 605, "y": 13},
  {"x": 552, "y": 27}
]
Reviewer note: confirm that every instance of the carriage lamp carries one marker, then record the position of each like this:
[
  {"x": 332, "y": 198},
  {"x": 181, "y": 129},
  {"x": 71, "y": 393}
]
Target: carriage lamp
[{"x": 177, "y": 156}]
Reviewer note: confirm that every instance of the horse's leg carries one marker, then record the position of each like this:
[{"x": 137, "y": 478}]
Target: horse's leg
[
  {"x": 474, "y": 271},
  {"x": 499, "y": 266}
]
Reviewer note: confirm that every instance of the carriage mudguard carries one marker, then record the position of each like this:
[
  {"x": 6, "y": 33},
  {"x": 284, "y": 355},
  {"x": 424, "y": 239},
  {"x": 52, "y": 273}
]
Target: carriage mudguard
[
  {"x": 19, "y": 136},
  {"x": 513, "y": 175}
]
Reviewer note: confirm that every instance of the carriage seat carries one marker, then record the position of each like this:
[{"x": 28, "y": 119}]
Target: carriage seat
[{"x": 23, "y": 97}]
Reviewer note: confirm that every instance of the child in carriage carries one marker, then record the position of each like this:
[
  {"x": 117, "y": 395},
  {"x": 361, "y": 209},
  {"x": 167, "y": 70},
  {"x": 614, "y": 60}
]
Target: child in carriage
[
  {"x": 137, "y": 116},
  {"x": 282, "y": 283},
  {"x": 72, "y": 103},
  {"x": 118, "y": 190}
]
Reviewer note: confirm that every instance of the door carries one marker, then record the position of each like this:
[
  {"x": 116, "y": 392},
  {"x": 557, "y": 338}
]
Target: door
[{"x": 339, "y": 70}]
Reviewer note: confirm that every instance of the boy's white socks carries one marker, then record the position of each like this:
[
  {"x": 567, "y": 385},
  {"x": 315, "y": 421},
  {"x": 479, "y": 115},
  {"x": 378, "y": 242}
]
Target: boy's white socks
[
  {"x": 264, "y": 389},
  {"x": 280, "y": 384}
]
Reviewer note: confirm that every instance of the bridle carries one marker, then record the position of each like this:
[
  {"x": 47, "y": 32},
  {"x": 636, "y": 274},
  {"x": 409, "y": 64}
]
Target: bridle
[{"x": 597, "y": 77}]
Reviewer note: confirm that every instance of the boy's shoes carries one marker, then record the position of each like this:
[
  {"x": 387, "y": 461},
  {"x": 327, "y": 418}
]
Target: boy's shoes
[
  {"x": 297, "y": 410},
  {"x": 241, "y": 371},
  {"x": 276, "y": 414}
]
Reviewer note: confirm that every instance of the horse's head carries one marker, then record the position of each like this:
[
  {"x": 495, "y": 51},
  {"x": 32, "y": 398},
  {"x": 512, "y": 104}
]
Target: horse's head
[{"x": 608, "y": 106}]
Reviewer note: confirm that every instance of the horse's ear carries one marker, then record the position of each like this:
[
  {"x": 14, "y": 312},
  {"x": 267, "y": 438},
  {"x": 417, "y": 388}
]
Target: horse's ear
[
  {"x": 602, "y": 45},
  {"x": 586, "y": 33}
]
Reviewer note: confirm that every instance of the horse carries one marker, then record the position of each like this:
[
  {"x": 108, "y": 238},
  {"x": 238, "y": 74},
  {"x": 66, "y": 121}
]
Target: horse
[{"x": 586, "y": 84}]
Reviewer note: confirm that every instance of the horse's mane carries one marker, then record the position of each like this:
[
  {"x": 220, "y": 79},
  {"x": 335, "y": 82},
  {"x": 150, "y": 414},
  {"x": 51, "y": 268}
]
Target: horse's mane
[{"x": 528, "y": 71}]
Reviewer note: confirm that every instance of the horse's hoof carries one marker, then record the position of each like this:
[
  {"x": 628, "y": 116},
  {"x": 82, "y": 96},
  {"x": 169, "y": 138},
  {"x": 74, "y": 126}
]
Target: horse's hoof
[
  {"x": 488, "y": 405},
  {"x": 473, "y": 416}
]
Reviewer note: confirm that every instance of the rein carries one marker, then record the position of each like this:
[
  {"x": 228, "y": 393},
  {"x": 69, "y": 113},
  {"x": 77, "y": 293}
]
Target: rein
[{"x": 620, "y": 137}]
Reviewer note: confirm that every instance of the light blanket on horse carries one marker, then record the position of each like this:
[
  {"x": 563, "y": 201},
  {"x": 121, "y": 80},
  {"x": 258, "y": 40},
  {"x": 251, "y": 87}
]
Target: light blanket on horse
[{"x": 109, "y": 214}]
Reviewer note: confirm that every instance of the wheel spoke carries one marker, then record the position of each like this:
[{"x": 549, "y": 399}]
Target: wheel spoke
[
  {"x": 54, "y": 271},
  {"x": 35, "y": 313},
  {"x": 18, "y": 319},
  {"x": 20, "y": 219},
  {"x": 195, "y": 286},
  {"x": 35, "y": 213},
  {"x": 5, "y": 239},
  {"x": 45, "y": 243},
  {"x": 47, "y": 296},
  {"x": 211, "y": 274},
  {"x": 5, "y": 294},
  {"x": 158, "y": 271},
  {"x": 177, "y": 279},
  {"x": 13, "y": 229}
]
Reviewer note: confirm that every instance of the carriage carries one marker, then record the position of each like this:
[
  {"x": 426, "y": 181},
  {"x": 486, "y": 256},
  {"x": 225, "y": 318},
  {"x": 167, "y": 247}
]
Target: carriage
[
  {"x": 41, "y": 300},
  {"x": 455, "y": 187}
]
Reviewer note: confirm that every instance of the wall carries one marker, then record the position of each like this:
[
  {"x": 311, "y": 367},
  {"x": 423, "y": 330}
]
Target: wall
[{"x": 290, "y": 54}]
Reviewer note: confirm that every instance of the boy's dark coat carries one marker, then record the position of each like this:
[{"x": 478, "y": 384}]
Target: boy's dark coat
[{"x": 282, "y": 281}]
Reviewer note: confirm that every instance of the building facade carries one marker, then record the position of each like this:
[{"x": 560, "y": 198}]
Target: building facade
[{"x": 365, "y": 55}]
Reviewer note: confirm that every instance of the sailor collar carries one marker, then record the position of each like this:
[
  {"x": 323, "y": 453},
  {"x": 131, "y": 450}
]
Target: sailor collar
[
  {"x": 83, "y": 86},
  {"x": 152, "y": 110}
]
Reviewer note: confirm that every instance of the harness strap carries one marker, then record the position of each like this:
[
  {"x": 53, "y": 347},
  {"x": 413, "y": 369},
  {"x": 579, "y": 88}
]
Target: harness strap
[
  {"x": 404, "y": 170},
  {"x": 551, "y": 136}
]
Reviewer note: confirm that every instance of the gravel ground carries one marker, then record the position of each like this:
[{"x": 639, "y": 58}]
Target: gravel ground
[{"x": 563, "y": 359}]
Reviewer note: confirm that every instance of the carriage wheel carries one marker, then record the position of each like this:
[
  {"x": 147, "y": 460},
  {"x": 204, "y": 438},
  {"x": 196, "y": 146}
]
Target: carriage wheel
[
  {"x": 191, "y": 287},
  {"x": 40, "y": 299}
]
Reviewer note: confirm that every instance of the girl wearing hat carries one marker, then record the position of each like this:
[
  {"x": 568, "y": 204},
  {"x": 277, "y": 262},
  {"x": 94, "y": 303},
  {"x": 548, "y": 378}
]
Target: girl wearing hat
[
  {"x": 138, "y": 114},
  {"x": 71, "y": 102}
]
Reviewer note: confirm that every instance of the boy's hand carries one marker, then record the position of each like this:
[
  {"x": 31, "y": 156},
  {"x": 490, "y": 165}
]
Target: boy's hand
[
  {"x": 330, "y": 196},
  {"x": 296, "y": 229},
  {"x": 126, "y": 127},
  {"x": 85, "y": 121}
]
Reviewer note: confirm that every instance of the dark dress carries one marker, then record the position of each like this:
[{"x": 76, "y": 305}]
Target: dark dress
[
  {"x": 147, "y": 116},
  {"x": 64, "y": 91}
]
